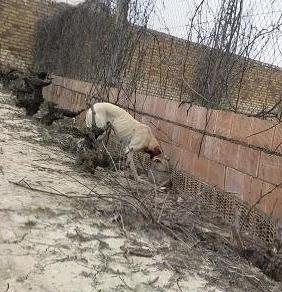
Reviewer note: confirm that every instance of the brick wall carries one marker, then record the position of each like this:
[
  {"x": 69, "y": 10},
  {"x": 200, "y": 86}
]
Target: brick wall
[
  {"x": 163, "y": 61},
  {"x": 230, "y": 158},
  {"x": 162, "y": 58},
  {"x": 18, "y": 20}
]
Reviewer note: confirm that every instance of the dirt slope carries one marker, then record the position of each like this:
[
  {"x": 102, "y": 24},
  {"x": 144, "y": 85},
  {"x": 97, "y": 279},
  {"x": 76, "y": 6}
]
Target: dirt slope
[
  {"x": 51, "y": 241},
  {"x": 46, "y": 244}
]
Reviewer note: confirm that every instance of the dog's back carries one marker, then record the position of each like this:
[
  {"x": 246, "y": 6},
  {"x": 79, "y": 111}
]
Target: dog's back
[
  {"x": 130, "y": 131},
  {"x": 120, "y": 120},
  {"x": 106, "y": 112}
]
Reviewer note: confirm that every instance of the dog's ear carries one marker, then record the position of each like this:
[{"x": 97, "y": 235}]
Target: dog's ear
[{"x": 157, "y": 151}]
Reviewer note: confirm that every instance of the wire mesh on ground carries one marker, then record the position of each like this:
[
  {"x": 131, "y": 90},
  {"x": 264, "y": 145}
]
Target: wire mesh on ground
[
  {"x": 194, "y": 214},
  {"x": 255, "y": 224}
]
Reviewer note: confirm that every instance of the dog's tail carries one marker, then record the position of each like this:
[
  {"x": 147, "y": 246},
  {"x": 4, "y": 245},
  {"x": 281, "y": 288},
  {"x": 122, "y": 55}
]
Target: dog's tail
[{"x": 90, "y": 116}]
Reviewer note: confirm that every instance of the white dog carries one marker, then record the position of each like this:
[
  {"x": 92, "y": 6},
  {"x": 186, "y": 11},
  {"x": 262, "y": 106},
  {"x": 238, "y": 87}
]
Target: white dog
[{"x": 134, "y": 135}]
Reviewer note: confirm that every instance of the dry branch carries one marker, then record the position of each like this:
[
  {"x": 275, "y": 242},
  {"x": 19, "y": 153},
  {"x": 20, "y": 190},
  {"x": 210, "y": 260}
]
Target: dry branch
[{"x": 27, "y": 186}]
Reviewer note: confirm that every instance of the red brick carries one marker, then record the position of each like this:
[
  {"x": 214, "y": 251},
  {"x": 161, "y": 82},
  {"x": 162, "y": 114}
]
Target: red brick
[
  {"x": 196, "y": 142},
  {"x": 184, "y": 138},
  {"x": 186, "y": 161},
  {"x": 240, "y": 127},
  {"x": 270, "y": 169},
  {"x": 165, "y": 131},
  {"x": 235, "y": 181},
  {"x": 154, "y": 125},
  {"x": 228, "y": 153},
  {"x": 197, "y": 117},
  {"x": 176, "y": 135},
  {"x": 160, "y": 108},
  {"x": 216, "y": 174},
  {"x": 150, "y": 104},
  {"x": 138, "y": 102},
  {"x": 211, "y": 148},
  {"x": 181, "y": 115},
  {"x": 272, "y": 202},
  {"x": 223, "y": 123},
  {"x": 277, "y": 139},
  {"x": 248, "y": 160},
  {"x": 200, "y": 168},
  {"x": 263, "y": 139},
  {"x": 252, "y": 190},
  {"x": 176, "y": 157},
  {"x": 211, "y": 121},
  {"x": 170, "y": 110}
]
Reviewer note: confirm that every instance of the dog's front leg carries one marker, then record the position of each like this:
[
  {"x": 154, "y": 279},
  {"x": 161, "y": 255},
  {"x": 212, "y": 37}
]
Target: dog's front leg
[{"x": 103, "y": 133}]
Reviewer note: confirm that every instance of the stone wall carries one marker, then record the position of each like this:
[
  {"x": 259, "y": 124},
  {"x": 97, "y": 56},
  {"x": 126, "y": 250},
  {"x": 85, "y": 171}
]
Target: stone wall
[
  {"x": 18, "y": 20},
  {"x": 226, "y": 153}
]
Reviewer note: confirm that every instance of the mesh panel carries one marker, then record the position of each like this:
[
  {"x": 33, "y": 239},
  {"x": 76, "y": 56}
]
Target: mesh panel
[{"x": 257, "y": 226}]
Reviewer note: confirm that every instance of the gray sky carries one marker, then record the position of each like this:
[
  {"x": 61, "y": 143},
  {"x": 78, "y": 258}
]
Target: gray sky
[{"x": 172, "y": 17}]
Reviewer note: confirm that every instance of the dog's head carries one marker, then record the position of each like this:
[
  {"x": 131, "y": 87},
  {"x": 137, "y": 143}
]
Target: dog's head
[{"x": 154, "y": 152}]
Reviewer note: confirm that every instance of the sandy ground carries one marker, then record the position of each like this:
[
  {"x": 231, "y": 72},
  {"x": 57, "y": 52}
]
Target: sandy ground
[
  {"x": 54, "y": 238},
  {"x": 46, "y": 243}
]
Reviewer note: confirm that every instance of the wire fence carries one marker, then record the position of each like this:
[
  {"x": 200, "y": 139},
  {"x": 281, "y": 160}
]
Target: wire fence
[
  {"x": 174, "y": 18},
  {"x": 219, "y": 53}
]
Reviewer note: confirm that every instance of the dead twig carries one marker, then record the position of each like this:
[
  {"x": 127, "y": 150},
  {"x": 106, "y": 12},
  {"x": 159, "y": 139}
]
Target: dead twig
[
  {"x": 109, "y": 154},
  {"x": 263, "y": 131},
  {"x": 139, "y": 252},
  {"x": 257, "y": 202},
  {"x": 125, "y": 284},
  {"x": 162, "y": 208},
  {"x": 150, "y": 283},
  {"x": 236, "y": 231},
  {"x": 193, "y": 90},
  {"x": 19, "y": 239},
  {"x": 177, "y": 282},
  {"x": 47, "y": 192}
]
